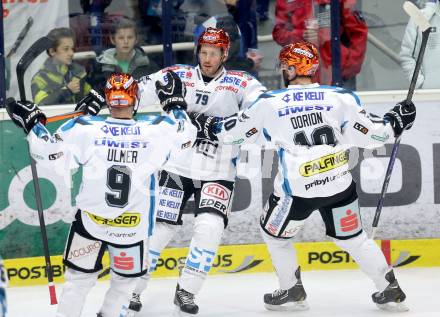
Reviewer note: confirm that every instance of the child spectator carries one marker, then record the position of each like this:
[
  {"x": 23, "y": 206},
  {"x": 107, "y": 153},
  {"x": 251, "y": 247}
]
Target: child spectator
[
  {"x": 125, "y": 57},
  {"x": 60, "y": 81}
]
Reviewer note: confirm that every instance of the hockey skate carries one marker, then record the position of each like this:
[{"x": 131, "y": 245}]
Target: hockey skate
[
  {"x": 135, "y": 305},
  {"x": 184, "y": 302},
  {"x": 392, "y": 297},
  {"x": 292, "y": 299}
]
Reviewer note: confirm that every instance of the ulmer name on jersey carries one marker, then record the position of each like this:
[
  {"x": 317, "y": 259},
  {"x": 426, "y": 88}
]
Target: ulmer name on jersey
[{"x": 118, "y": 150}]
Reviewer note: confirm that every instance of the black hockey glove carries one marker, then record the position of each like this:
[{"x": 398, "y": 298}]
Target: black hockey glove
[
  {"x": 206, "y": 125},
  {"x": 92, "y": 103},
  {"x": 24, "y": 114},
  {"x": 172, "y": 94},
  {"x": 401, "y": 117}
]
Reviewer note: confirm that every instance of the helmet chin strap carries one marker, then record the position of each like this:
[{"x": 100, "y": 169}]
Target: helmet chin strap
[{"x": 287, "y": 75}]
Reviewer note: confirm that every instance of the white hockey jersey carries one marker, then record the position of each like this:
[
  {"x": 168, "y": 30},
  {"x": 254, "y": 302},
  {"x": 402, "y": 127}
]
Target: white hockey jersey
[
  {"x": 120, "y": 160},
  {"x": 313, "y": 128},
  {"x": 223, "y": 96}
]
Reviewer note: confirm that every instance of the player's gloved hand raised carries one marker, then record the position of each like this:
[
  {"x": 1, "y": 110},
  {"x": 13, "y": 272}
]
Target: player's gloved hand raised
[
  {"x": 92, "y": 103},
  {"x": 206, "y": 125},
  {"x": 24, "y": 114},
  {"x": 171, "y": 94},
  {"x": 401, "y": 117}
]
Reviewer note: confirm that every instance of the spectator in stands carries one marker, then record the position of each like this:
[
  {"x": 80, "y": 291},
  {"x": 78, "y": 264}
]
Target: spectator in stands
[
  {"x": 60, "y": 81},
  {"x": 245, "y": 15},
  {"x": 310, "y": 20},
  {"x": 263, "y": 10},
  {"x": 250, "y": 62},
  {"x": 93, "y": 26},
  {"x": 428, "y": 76},
  {"x": 125, "y": 57}
]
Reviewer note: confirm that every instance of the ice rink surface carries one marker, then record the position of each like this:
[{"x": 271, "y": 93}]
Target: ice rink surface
[{"x": 330, "y": 293}]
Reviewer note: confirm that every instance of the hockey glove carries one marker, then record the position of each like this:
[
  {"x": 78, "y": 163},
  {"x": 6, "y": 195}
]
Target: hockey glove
[
  {"x": 401, "y": 117},
  {"x": 172, "y": 94},
  {"x": 206, "y": 125},
  {"x": 92, "y": 103},
  {"x": 24, "y": 114}
]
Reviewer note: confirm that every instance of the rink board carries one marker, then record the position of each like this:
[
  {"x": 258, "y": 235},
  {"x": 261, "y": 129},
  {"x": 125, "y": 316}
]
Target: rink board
[{"x": 250, "y": 258}]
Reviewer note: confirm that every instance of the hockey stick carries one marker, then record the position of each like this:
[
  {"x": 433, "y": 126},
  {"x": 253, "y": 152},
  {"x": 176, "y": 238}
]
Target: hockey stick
[
  {"x": 20, "y": 37},
  {"x": 36, "y": 49},
  {"x": 419, "y": 19},
  {"x": 63, "y": 116}
]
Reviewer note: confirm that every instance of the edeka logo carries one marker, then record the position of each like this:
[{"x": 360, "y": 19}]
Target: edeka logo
[
  {"x": 123, "y": 262},
  {"x": 324, "y": 164},
  {"x": 127, "y": 219}
]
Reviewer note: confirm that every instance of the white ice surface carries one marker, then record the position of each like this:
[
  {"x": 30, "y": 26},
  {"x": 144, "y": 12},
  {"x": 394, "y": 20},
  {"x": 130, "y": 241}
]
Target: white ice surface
[{"x": 330, "y": 293}]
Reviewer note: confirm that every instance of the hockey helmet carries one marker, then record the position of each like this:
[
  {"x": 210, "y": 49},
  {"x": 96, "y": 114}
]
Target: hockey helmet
[
  {"x": 303, "y": 56},
  {"x": 216, "y": 37},
  {"x": 121, "y": 90}
]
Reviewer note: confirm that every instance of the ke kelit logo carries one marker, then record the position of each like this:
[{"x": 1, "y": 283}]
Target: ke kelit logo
[
  {"x": 324, "y": 164},
  {"x": 360, "y": 128},
  {"x": 350, "y": 222},
  {"x": 123, "y": 262},
  {"x": 403, "y": 259},
  {"x": 127, "y": 219}
]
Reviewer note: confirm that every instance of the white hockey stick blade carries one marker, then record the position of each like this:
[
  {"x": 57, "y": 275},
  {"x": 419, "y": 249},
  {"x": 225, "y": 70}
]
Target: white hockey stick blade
[{"x": 419, "y": 19}]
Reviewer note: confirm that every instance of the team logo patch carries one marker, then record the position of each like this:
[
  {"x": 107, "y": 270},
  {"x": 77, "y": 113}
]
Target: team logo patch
[
  {"x": 360, "y": 128},
  {"x": 324, "y": 164},
  {"x": 83, "y": 252},
  {"x": 125, "y": 260},
  {"x": 215, "y": 196},
  {"x": 347, "y": 219},
  {"x": 251, "y": 132},
  {"x": 127, "y": 219},
  {"x": 279, "y": 216},
  {"x": 170, "y": 201}
]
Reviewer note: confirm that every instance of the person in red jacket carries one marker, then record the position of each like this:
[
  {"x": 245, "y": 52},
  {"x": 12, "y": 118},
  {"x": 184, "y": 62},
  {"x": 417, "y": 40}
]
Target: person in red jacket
[{"x": 309, "y": 20}]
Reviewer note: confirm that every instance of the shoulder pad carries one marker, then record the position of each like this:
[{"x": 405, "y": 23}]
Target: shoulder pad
[
  {"x": 240, "y": 73},
  {"x": 177, "y": 67},
  {"x": 155, "y": 119}
]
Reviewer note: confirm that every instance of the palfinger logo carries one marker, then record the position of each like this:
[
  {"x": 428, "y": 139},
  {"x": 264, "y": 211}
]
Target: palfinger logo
[
  {"x": 127, "y": 219},
  {"x": 324, "y": 164}
]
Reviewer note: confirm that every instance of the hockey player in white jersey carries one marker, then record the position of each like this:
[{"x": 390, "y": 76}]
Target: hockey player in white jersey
[
  {"x": 313, "y": 128},
  {"x": 120, "y": 158},
  {"x": 206, "y": 171},
  {"x": 3, "y": 284}
]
